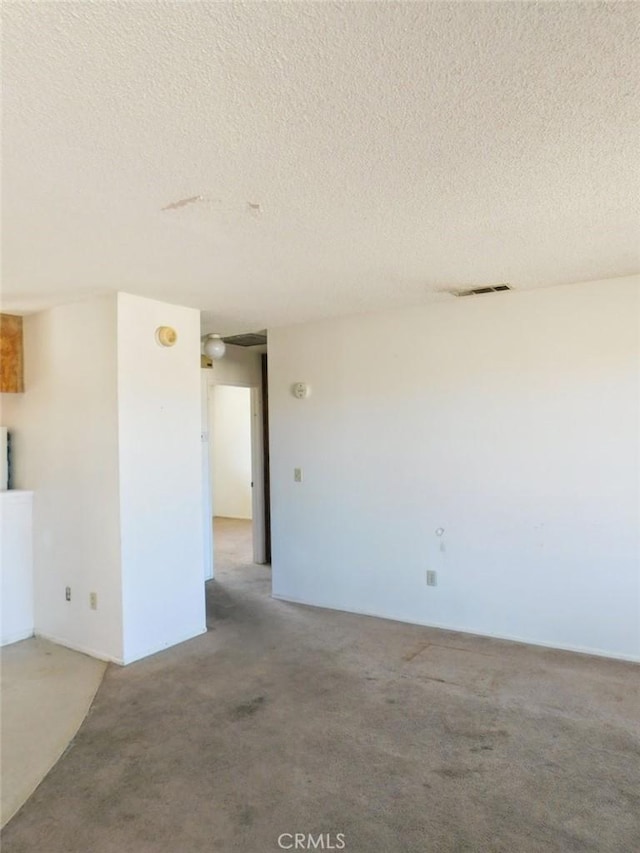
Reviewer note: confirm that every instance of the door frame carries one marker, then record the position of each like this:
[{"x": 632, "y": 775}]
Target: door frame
[{"x": 257, "y": 470}]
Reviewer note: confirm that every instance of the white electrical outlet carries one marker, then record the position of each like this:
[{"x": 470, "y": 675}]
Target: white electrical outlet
[
  {"x": 93, "y": 600},
  {"x": 432, "y": 578},
  {"x": 297, "y": 475},
  {"x": 300, "y": 390}
]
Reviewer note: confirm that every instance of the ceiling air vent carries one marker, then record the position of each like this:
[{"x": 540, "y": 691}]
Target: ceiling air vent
[
  {"x": 496, "y": 288},
  {"x": 252, "y": 339}
]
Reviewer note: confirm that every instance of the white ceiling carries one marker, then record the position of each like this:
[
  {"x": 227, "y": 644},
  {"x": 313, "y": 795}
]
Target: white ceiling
[{"x": 395, "y": 150}]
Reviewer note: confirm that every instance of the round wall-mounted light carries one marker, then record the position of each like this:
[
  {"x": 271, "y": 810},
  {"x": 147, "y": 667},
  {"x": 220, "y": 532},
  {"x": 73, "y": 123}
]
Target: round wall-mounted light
[
  {"x": 214, "y": 347},
  {"x": 166, "y": 336}
]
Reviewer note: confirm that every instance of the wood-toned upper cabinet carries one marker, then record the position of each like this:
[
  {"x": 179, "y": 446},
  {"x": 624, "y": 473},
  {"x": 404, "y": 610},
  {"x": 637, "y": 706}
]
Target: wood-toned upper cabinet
[{"x": 11, "y": 358}]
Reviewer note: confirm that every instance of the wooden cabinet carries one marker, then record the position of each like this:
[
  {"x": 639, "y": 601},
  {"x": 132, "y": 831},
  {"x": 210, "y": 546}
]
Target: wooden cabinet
[{"x": 11, "y": 358}]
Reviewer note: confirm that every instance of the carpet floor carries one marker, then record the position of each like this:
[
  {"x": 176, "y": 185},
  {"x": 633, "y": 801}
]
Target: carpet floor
[{"x": 286, "y": 719}]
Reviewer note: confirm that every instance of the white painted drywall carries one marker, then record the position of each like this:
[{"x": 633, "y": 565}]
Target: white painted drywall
[
  {"x": 65, "y": 448},
  {"x": 511, "y": 421},
  {"x": 160, "y": 476},
  {"x": 16, "y": 566},
  {"x": 240, "y": 366},
  {"x": 230, "y": 426},
  {"x": 107, "y": 435},
  {"x": 206, "y": 505}
]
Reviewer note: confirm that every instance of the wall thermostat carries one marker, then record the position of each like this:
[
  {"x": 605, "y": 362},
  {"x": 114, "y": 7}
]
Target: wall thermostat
[{"x": 300, "y": 390}]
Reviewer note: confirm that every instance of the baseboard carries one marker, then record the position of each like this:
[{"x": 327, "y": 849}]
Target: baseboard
[
  {"x": 154, "y": 650},
  {"x": 77, "y": 647},
  {"x": 124, "y": 661},
  {"x": 17, "y": 637},
  {"x": 582, "y": 650},
  {"x": 233, "y": 517}
]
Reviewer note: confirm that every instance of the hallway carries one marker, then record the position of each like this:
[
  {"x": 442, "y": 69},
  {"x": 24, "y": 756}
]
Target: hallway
[
  {"x": 285, "y": 719},
  {"x": 232, "y": 543}
]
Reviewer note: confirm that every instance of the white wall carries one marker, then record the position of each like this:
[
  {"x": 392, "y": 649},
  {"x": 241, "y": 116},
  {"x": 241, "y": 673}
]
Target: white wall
[
  {"x": 107, "y": 435},
  {"x": 206, "y": 506},
  {"x": 240, "y": 366},
  {"x": 65, "y": 448},
  {"x": 160, "y": 476},
  {"x": 511, "y": 421},
  {"x": 16, "y": 566},
  {"x": 230, "y": 425}
]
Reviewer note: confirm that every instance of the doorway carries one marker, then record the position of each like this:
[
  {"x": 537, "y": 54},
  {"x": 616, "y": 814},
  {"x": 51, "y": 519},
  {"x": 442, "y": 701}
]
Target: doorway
[
  {"x": 231, "y": 474},
  {"x": 230, "y": 455},
  {"x": 235, "y": 465}
]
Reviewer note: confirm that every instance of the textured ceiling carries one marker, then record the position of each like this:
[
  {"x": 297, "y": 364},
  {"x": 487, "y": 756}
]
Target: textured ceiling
[{"x": 272, "y": 162}]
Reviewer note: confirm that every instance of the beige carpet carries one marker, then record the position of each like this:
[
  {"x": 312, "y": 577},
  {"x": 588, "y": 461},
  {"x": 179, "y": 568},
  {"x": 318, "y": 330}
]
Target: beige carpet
[
  {"x": 286, "y": 719},
  {"x": 46, "y": 691},
  {"x": 232, "y": 543}
]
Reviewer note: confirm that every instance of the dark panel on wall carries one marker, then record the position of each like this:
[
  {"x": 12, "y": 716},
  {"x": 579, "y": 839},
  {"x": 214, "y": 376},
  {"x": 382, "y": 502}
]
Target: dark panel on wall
[{"x": 265, "y": 439}]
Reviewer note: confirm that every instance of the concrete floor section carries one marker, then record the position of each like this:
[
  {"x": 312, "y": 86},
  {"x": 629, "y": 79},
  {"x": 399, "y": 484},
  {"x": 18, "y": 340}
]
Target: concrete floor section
[
  {"x": 46, "y": 693},
  {"x": 375, "y": 735}
]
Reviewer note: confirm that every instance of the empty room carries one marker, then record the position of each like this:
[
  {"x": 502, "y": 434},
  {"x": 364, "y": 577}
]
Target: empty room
[{"x": 320, "y": 427}]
